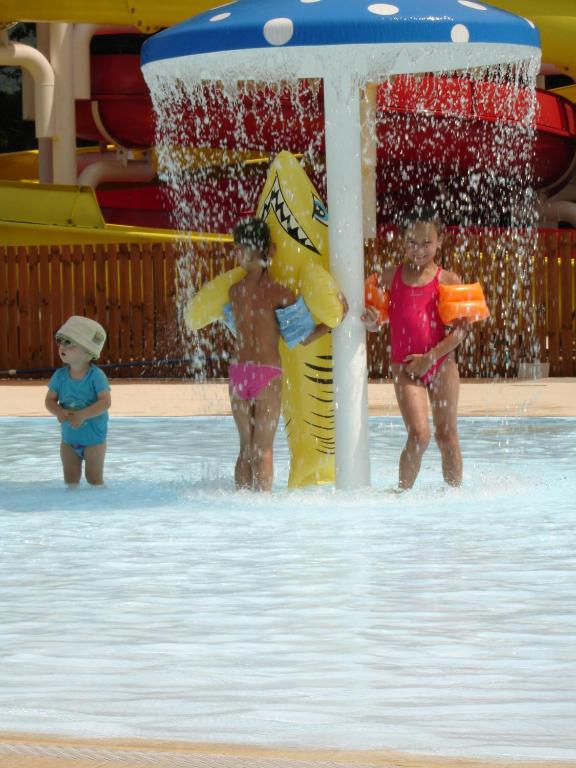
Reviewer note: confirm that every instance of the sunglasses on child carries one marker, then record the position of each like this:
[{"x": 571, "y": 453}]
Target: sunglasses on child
[{"x": 62, "y": 341}]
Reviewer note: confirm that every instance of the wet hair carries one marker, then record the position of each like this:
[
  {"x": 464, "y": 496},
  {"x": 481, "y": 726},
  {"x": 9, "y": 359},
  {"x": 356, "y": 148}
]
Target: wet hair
[
  {"x": 424, "y": 214},
  {"x": 253, "y": 233}
]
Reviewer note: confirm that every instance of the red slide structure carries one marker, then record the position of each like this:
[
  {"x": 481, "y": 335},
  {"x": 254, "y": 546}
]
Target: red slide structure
[{"x": 449, "y": 122}]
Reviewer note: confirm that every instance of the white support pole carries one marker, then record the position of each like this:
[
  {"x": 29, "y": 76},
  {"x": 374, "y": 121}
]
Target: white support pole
[
  {"x": 45, "y": 171},
  {"x": 344, "y": 193},
  {"x": 64, "y": 142},
  {"x": 369, "y": 158},
  {"x": 81, "y": 37}
]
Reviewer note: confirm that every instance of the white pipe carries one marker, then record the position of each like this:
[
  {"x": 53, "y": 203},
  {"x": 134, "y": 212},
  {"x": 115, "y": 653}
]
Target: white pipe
[
  {"x": 81, "y": 38},
  {"x": 27, "y": 57},
  {"x": 553, "y": 212},
  {"x": 103, "y": 171},
  {"x": 344, "y": 188},
  {"x": 64, "y": 145},
  {"x": 84, "y": 159},
  {"x": 28, "y": 110}
]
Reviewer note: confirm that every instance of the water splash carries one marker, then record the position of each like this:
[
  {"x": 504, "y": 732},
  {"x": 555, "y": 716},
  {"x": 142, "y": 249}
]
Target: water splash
[
  {"x": 465, "y": 145},
  {"x": 214, "y": 143}
]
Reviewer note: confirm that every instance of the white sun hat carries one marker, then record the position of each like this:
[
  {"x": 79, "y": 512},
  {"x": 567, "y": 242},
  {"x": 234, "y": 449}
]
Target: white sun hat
[{"x": 85, "y": 332}]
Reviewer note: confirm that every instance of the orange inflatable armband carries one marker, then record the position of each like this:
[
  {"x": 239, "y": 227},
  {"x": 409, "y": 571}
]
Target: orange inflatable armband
[
  {"x": 375, "y": 297},
  {"x": 462, "y": 301}
]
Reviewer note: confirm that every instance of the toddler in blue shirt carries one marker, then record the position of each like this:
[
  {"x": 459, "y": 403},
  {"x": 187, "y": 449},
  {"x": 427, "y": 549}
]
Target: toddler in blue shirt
[{"x": 79, "y": 397}]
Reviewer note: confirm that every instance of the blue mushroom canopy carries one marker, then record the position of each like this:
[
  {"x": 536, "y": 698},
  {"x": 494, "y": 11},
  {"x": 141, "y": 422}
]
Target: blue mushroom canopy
[{"x": 256, "y": 24}]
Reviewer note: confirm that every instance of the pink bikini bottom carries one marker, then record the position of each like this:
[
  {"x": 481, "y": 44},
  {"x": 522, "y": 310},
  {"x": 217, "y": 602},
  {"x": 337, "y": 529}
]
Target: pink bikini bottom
[{"x": 249, "y": 379}]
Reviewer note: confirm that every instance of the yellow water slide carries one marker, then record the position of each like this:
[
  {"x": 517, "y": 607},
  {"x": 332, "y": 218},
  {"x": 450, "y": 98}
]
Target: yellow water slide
[
  {"x": 147, "y": 15},
  {"x": 54, "y": 214},
  {"x": 556, "y": 21}
]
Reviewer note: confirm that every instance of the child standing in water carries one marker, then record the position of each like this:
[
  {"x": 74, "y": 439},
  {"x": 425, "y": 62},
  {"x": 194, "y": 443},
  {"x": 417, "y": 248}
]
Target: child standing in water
[
  {"x": 79, "y": 397},
  {"x": 256, "y": 375},
  {"x": 422, "y": 349}
]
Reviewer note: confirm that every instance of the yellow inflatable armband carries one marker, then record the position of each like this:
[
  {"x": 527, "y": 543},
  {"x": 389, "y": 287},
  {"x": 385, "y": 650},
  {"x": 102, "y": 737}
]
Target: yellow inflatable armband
[
  {"x": 320, "y": 292},
  {"x": 206, "y": 306},
  {"x": 462, "y": 301}
]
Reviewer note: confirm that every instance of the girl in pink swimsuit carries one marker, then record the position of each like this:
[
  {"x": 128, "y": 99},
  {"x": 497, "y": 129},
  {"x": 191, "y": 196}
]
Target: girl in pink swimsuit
[{"x": 422, "y": 350}]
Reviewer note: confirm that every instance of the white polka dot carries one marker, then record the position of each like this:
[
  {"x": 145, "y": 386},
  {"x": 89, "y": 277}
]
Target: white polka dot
[
  {"x": 530, "y": 22},
  {"x": 309, "y": 1},
  {"x": 475, "y": 6},
  {"x": 278, "y": 31},
  {"x": 459, "y": 33},
  {"x": 220, "y": 17},
  {"x": 383, "y": 9}
]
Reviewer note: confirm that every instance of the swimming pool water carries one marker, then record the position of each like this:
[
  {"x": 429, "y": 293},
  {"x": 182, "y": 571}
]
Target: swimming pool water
[{"x": 168, "y": 606}]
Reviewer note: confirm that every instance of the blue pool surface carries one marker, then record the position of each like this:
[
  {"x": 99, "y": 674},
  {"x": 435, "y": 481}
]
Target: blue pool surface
[{"x": 168, "y": 606}]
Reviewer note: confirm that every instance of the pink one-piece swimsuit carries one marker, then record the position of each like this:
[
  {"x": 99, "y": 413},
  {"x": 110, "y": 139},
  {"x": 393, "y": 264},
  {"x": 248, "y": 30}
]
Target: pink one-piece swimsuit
[{"x": 415, "y": 324}]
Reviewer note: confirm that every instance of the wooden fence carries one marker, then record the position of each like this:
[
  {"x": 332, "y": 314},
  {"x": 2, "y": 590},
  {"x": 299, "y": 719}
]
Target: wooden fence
[{"x": 135, "y": 292}]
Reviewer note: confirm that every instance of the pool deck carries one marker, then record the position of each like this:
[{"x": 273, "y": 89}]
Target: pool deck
[
  {"x": 38, "y": 751},
  {"x": 131, "y": 397}
]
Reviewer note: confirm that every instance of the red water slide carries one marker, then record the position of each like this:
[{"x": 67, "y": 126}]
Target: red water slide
[{"x": 449, "y": 126}]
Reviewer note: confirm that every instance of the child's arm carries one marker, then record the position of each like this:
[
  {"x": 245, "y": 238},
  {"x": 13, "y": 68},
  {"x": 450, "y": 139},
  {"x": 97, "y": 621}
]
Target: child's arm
[
  {"x": 417, "y": 365},
  {"x": 370, "y": 316},
  {"x": 322, "y": 329},
  {"x": 77, "y": 418},
  {"x": 370, "y": 319},
  {"x": 53, "y": 406},
  {"x": 449, "y": 342}
]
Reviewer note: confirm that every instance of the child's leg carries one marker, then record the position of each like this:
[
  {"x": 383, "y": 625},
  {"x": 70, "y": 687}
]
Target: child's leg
[
  {"x": 242, "y": 411},
  {"x": 444, "y": 392},
  {"x": 266, "y": 414},
  {"x": 413, "y": 403},
  {"x": 71, "y": 464},
  {"x": 94, "y": 463}
]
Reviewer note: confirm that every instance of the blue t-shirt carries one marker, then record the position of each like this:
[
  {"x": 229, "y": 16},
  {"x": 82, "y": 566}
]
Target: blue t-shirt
[{"x": 75, "y": 394}]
